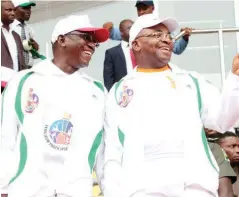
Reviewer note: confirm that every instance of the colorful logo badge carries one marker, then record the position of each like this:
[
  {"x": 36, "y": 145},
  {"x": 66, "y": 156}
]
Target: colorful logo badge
[
  {"x": 58, "y": 134},
  {"x": 32, "y": 101},
  {"x": 125, "y": 96}
]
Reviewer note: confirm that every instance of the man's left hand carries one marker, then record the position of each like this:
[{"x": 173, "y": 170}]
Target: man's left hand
[
  {"x": 188, "y": 32},
  {"x": 34, "y": 44},
  {"x": 235, "y": 65},
  {"x": 210, "y": 132}
]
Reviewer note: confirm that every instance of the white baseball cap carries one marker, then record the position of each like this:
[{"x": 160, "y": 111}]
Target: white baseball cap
[
  {"x": 150, "y": 20},
  {"x": 6, "y": 75},
  {"x": 78, "y": 23},
  {"x": 23, "y": 3}
]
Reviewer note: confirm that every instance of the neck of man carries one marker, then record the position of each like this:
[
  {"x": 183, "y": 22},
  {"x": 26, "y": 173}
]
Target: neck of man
[
  {"x": 62, "y": 64},
  {"x": 125, "y": 39},
  {"x": 144, "y": 61},
  {"x": 6, "y": 25},
  {"x": 150, "y": 65},
  {"x": 21, "y": 21}
]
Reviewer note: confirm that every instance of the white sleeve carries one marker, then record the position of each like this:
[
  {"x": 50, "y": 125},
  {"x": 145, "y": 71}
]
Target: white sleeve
[
  {"x": 111, "y": 184},
  {"x": 220, "y": 112},
  {"x": 9, "y": 133},
  {"x": 99, "y": 166}
]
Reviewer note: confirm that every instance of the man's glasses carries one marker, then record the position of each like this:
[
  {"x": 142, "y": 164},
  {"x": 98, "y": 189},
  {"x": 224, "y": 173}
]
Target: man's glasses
[
  {"x": 158, "y": 35},
  {"x": 87, "y": 37}
]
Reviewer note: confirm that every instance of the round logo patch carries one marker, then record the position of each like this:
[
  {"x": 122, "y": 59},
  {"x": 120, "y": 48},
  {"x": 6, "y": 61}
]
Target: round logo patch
[
  {"x": 32, "y": 101},
  {"x": 58, "y": 134},
  {"x": 125, "y": 96}
]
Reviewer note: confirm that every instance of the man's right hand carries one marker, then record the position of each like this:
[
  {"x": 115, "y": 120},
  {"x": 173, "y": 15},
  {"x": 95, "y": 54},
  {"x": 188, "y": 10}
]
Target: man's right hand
[
  {"x": 108, "y": 25},
  {"x": 34, "y": 44}
]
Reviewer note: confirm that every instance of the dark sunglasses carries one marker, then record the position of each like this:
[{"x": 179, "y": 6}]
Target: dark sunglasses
[{"x": 87, "y": 37}]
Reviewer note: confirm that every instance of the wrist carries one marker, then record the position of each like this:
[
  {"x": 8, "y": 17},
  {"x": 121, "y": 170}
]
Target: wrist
[
  {"x": 235, "y": 72},
  {"x": 185, "y": 38}
]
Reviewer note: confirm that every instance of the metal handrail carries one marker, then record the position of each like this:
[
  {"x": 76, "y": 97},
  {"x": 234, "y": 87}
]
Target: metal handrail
[
  {"x": 236, "y": 29},
  {"x": 221, "y": 43},
  {"x": 203, "y": 31}
]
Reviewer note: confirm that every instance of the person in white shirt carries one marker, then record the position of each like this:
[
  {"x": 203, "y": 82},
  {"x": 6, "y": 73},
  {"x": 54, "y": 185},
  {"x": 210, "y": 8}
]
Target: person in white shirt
[
  {"x": 11, "y": 45},
  {"x": 155, "y": 144},
  {"x": 6, "y": 75},
  {"x": 52, "y": 119},
  {"x": 23, "y": 14},
  {"x": 119, "y": 60}
]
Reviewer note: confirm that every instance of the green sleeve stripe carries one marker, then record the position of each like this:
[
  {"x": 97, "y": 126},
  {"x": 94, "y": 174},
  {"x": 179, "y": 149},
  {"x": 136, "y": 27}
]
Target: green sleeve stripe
[
  {"x": 206, "y": 148},
  {"x": 23, "y": 158},
  {"x": 198, "y": 93},
  {"x": 120, "y": 133},
  {"x": 204, "y": 139},
  {"x": 94, "y": 148},
  {"x": 20, "y": 114},
  {"x": 121, "y": 136}
]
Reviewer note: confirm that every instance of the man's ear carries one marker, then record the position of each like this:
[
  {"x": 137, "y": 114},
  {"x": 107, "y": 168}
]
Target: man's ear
[
  {"x": 121, "y": 31},
  {"x": 153, "y": 8},
  {"x": 136, "y": 46},
  {"x": 61, "y": 41}
]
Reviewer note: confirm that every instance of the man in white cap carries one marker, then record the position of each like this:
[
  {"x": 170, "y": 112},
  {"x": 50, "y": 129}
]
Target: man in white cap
[
  {"x": 52, "y": 118},
  {"x": 155, "y": 144},
  {"x": 23, "y": 14}
]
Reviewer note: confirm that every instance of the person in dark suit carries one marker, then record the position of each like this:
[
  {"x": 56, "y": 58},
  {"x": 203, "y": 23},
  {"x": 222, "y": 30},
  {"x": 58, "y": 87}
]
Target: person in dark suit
[
  {"x": 11, "y": 44},
  {"x": 119, "y": 61}
]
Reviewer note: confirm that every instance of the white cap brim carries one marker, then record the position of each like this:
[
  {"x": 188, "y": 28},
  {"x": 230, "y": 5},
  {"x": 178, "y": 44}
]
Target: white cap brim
[
  {"x": 150, "y": 20},
  {"x": 78, "y": 23}
]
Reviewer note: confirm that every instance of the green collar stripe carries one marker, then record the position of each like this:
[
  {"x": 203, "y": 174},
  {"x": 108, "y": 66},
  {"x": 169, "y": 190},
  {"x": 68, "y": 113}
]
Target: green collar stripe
[{"x": 99, "y": 85}]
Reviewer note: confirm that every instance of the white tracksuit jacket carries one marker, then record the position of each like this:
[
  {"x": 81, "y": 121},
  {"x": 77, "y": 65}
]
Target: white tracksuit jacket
[
  {"x": 52, "y": 126},
  {"x": 154, "y": 139}
]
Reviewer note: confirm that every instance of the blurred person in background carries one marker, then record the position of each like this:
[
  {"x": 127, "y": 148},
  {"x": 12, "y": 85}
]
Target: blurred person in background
[
  {"x": 227, "y": 176},
  {"x": 23, "y": 15},
  {"x": 11, "y": 44},
  {"x": 147, "y": 7},
  {"x": 229, "y": 142},
  {"x": 119, "y": 60}
]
